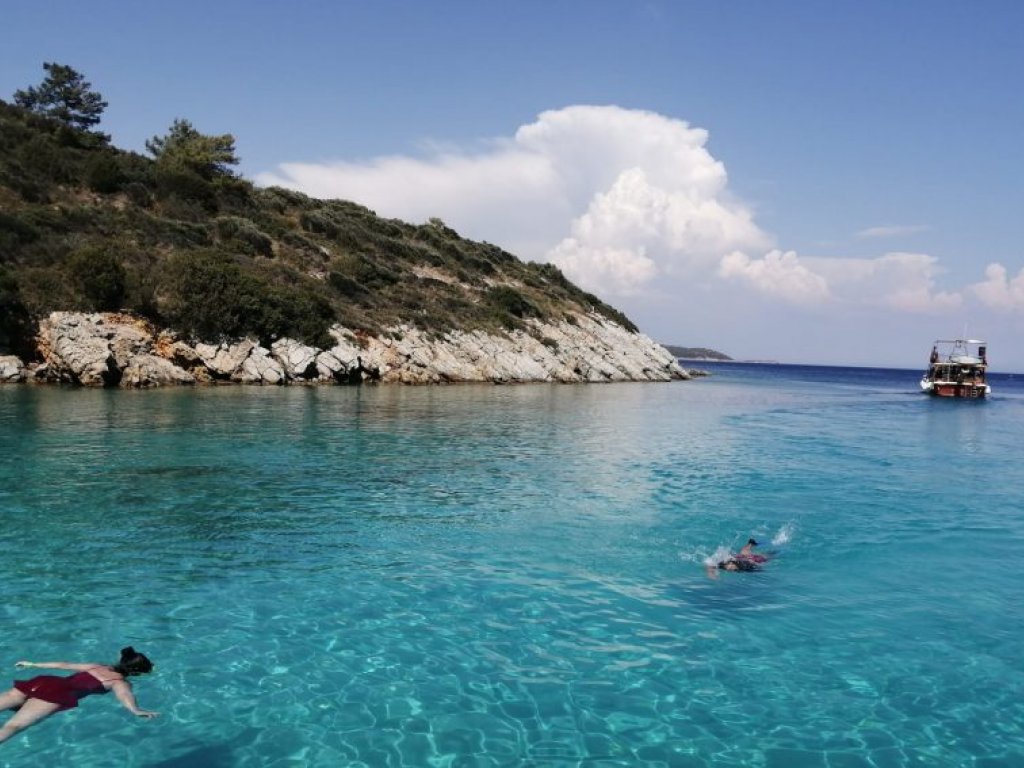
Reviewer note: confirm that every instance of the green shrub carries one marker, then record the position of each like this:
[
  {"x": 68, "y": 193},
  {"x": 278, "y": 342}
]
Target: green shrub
[
  {"x": 16, "y": 327},
  {"x": 136, "y": 168},
  {"x": 504, "y": 298},
  {"x": 100, "y": 277},
  {"x": 44, "y": 160},
  {"x": 47, "y": 220},
  {"x": 280, "y": 198},
  {"x": 183, "y": 209},
  {"x": 103, "y": 174},
  {"x": 28, "y": 189},
  {"x": 141, "y": 285},
  {"x": 210, "y": 296},
  {"x": 508, "y": 306},
  {"x": 14, "y": 232},
  {"x": 243, "y": 233},
  {"x": 318, "y": 223},
  {"x": 138, "y": 194},
  {"x": 45, "y": 289},
  {"x": 345, "y": 285},
  {"x": 184, "y": 185}
]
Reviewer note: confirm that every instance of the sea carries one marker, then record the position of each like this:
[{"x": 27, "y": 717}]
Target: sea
[{"x": 457, "y": 576}]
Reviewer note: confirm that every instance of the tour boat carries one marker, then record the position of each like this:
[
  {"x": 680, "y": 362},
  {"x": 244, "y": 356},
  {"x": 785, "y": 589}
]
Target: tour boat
[{"x": 957, "y": 368}]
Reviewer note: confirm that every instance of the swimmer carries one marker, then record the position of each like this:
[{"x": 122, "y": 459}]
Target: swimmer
[
  {"x": 38, "y": 698},
  {"x": 747, "y": 553},
  {"x": 733, "y": 564},
  {"x": 744, "y": 560}
]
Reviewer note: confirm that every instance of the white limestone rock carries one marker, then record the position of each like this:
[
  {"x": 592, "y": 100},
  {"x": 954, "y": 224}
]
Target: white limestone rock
[
  {"x": 108, "y": 348},
  {"x": 12, "y": 370},
  {"x": 298, "y": 360},
  {"x": 147, "y": 370},
  {"x": 102, "y": 349},
  {"x": 76, "y": 349},
  {"x": 260, "y": 368},
  {"x": 224, "y": 361},
  {"x": 330, "y": 367}
]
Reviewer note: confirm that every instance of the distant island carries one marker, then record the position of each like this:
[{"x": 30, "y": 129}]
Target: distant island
[
  {"x": 121, "y": 269},
  {"x": 696, "y": 353}
]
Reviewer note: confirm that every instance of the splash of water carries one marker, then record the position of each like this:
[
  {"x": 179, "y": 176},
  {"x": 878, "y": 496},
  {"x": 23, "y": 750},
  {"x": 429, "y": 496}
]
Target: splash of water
[
  {"x": 719, "y": 555},
  {"x": 785, "y": 535}
]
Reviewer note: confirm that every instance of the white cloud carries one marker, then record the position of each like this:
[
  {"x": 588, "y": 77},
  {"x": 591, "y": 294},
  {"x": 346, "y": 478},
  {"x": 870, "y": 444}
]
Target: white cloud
[
  {"x": 894, "y": 230},
  {"x": 632, "y": 206},
  {"x": 616, "y": 197},
  {"x": 778, "y": 274},
  {"x": 905, "y": 282},
  {"x": 1000, "y": 292}
]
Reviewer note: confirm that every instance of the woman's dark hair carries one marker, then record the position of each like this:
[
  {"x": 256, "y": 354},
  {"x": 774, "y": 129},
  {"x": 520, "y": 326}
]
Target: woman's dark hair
[{"x": 132, "y": 662}]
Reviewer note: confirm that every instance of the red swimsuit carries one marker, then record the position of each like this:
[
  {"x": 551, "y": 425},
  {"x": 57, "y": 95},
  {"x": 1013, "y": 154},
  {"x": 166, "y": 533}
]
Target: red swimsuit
[{"x": 65, "y": 691}]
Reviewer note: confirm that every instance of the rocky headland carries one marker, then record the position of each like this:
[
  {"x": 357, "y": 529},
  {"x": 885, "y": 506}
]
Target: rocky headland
[{"x": 120, "y": 270}]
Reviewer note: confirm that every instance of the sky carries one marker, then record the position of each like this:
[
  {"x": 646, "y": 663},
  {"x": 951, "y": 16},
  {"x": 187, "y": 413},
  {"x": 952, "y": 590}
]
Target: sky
[{"x": 790, "y": 180}]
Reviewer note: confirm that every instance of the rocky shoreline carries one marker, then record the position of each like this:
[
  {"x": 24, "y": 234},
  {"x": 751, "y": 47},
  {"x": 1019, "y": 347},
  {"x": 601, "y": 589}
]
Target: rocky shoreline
[{"x": 119, "y": 350}]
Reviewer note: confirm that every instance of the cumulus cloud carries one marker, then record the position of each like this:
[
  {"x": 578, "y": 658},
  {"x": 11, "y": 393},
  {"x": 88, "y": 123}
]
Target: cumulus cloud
[
  {"x": 905, "y": 282},
  {"x": 615, "y": 197},
  {"x": 777, "y": 274},
  {"x": 999, "y": 291},
  {"x": 630, "y": 204}
]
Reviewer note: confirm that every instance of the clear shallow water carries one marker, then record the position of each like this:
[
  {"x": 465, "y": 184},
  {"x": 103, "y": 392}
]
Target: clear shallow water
[{"x": 478, "y": 576}]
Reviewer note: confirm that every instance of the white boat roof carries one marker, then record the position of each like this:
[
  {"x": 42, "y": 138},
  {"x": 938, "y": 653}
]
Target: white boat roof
[{"x": 960, "y": 341}]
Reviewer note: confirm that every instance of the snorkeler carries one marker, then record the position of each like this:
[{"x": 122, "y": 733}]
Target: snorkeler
[
  {"x": 747, "y": 553},
  {"x": 38, "y": 698},
  {"x": 744, "y": 560}
]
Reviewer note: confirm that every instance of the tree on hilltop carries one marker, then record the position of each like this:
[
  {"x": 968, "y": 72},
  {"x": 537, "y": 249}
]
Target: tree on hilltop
[
  {"x": 64, "y": 95},
  {"x": 185, "y": 148}
]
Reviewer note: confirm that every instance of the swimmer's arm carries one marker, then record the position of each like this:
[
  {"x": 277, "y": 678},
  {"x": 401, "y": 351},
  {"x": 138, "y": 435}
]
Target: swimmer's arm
[
  {"x": 55, "y": 665},
  {"x": 123, "y": 691}
]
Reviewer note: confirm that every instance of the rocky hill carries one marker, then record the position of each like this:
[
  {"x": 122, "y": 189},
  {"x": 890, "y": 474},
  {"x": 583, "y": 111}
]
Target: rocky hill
[{"x": 219, "y": 278}]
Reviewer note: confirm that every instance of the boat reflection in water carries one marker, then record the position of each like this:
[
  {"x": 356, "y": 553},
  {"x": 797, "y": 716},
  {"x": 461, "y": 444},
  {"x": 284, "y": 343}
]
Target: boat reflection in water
[{"x": 957, "y": 369}]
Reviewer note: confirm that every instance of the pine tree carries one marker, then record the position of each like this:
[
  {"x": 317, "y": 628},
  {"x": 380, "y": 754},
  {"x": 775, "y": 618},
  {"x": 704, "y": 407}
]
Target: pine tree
[
  {"x": 64, "y": 95},
  {"x": 186, "y": 148}
]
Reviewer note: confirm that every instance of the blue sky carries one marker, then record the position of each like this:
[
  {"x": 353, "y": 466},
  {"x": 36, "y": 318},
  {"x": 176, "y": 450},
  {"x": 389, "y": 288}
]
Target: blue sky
[{"x": 802, "y": 181}]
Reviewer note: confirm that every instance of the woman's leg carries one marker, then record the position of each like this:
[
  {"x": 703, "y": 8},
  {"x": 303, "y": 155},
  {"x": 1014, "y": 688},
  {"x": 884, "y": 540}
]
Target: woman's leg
[
  {"x": 11, "y": 699},
  {"x": 30, "y": 713}
]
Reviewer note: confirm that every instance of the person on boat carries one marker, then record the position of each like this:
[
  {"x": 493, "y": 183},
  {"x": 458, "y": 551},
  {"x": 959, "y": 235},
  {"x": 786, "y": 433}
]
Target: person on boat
[{"x": 39, "y": 697}]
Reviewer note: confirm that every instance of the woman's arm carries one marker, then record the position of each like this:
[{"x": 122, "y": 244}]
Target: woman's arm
[
  {"x": 55, "y": 665},
  {"x": 123, "y": 691}
]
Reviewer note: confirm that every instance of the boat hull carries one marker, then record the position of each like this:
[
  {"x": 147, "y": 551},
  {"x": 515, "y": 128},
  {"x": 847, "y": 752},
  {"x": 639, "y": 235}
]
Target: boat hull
[{"x": 952, "y": 389}]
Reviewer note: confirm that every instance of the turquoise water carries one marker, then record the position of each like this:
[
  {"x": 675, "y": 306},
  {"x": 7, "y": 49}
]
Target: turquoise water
[{"x": 513, "y": 576}]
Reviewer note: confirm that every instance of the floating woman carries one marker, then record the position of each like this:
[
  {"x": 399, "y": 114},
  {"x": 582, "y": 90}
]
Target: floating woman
[{"x": 40, "y": 697}]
